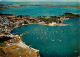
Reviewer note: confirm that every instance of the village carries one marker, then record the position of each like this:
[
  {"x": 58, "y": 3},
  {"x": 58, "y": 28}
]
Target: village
[{"x": 9, "y": 22}]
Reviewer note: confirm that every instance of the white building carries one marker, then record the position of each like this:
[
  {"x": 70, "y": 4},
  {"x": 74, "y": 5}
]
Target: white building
[{"x": 52, "y": 24}]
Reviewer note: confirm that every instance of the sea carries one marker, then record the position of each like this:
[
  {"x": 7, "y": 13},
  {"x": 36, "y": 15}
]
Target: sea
[
  {"x": 41, "y": 11},
  {"x": 52, "y": 41}
]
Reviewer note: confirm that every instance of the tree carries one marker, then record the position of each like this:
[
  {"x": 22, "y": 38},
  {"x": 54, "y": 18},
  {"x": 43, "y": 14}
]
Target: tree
[{"x": 25, "y": 22}]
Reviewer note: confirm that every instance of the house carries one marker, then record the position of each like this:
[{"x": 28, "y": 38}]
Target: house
[{"x": 42, "y": 22}]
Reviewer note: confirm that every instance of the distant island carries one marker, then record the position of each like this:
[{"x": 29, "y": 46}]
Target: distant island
[
  {"x": 70, "y": 15},
  {"x": 4, "y": 4},
  {"x": 12, "y": 44},
  {"x": 45, "y": 5}
]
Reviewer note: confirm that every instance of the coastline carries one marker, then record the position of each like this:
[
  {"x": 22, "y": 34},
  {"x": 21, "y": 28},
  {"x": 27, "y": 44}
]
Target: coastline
[
  {"x": 46, "y": 5},
  {"x": 20, "y": 43},
  {"x": 41, "y": 24},
  {"x": 25, "y": 46},
  {"x": 57, "y": 42},
  {"x": 17, "y": 27}
]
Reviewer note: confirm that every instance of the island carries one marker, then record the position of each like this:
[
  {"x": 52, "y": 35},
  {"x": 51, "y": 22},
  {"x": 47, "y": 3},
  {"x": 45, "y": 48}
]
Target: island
[
  {"x": 11, "y": 45},
  {"x": 45, "y": 5},
  {"x": 4, "y": 4},
  {"x": 70, "y": 15}
]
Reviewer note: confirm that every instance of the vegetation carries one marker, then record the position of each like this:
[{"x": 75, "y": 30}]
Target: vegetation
[
  {"x": 4, "y": 38},
  {"x": 48, "y": 20},
  {"x": 2, "y": 45},
  {"x": 16, "y": 51},
  {"x": 32, "y": 20},
  {"x": 70, "y": 15},
  {"x": 25, "y": 22}
]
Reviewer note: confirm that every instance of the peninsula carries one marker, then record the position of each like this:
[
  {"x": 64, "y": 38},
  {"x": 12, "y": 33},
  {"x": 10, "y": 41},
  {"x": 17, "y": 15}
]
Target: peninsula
[{"x": 11, "y": 45}]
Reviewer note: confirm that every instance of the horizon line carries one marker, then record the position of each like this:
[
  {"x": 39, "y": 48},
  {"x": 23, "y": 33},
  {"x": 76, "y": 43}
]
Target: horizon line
[{"x": 39, "y": 1}]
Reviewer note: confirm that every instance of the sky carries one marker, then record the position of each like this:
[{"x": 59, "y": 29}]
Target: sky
[{"x": 41, "y": 0}]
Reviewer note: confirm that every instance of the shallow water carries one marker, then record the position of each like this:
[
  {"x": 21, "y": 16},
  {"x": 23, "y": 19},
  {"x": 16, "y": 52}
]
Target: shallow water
[
  {"x": 42, "y": 11},
  {"x": 53, "y": 41}
]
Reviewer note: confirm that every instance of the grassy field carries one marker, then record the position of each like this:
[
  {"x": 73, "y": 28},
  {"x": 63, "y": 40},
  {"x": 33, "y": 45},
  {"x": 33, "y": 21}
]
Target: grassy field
[{"x": 16, "y": 51}]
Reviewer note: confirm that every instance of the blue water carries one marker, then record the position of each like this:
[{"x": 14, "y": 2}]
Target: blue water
[
  {"x": 66, "y": 38},
  {"x": 52, "y": 41},
  {"x": 42, "y": 11}
]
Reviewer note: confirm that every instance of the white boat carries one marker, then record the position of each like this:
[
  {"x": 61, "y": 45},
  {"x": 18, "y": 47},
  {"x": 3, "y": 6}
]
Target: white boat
[{"x": 53, "y": 40}]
